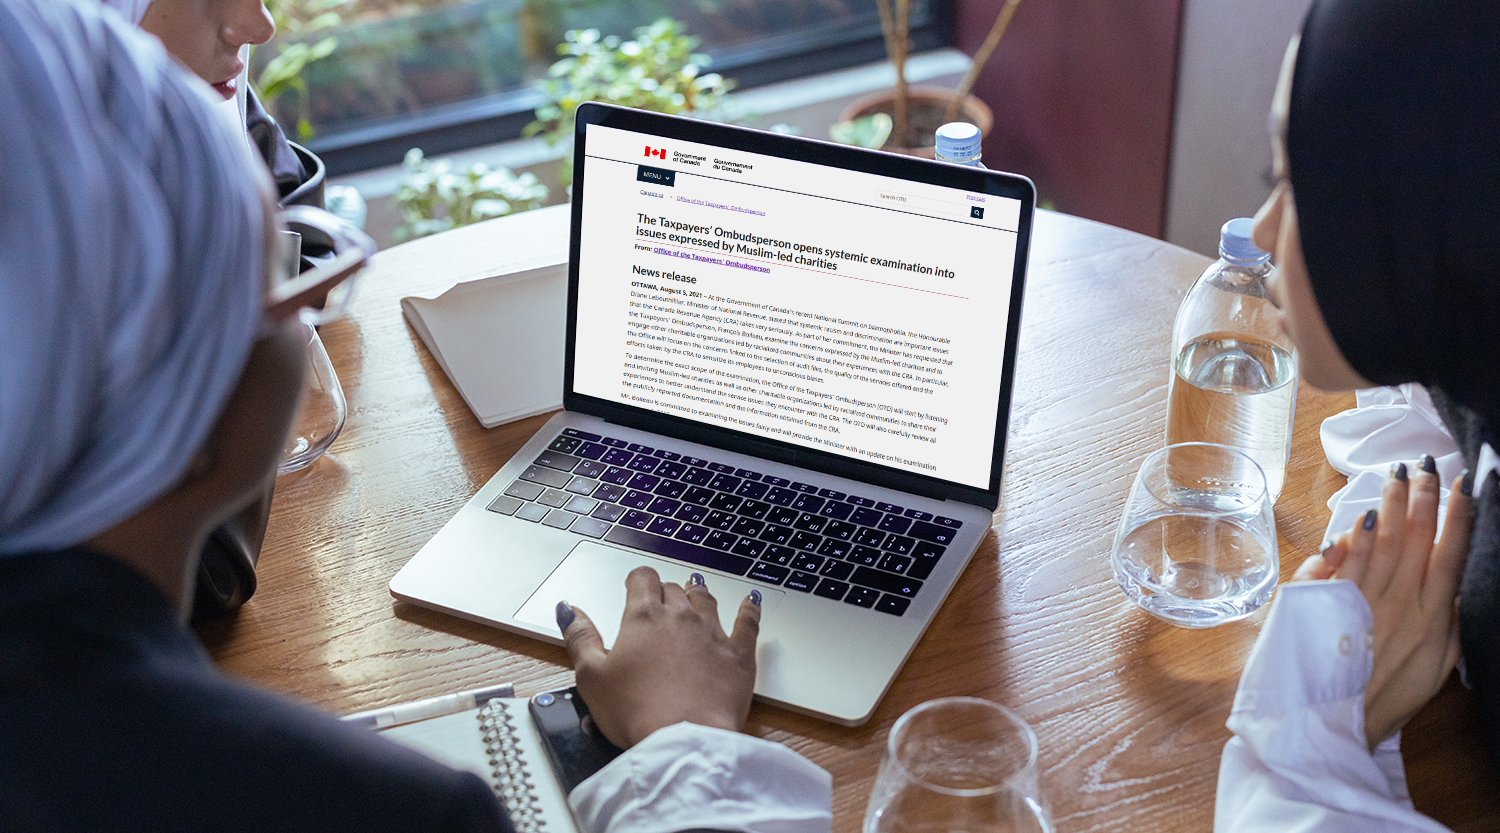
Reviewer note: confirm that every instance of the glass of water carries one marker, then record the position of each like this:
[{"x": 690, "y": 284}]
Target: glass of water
[
  {"x": 1196, "y": 546},
  {"x": 959, "y": 764}
]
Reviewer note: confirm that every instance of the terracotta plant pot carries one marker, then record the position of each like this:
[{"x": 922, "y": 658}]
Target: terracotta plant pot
[{"x": 925, "y": 109}]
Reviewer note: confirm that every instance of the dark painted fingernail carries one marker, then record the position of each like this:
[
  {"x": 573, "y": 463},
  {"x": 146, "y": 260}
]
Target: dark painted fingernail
[
  {"x": 1466, "y": 484},
  {"x": 696, "y": 578},
  {"x": 1369, "y": 522},
  {"x": 755, "y": 597},
  {"x": 1428, "y": 464},
  {"x": 1398, "y": 471},
  {"x": 565, "y": 616}
]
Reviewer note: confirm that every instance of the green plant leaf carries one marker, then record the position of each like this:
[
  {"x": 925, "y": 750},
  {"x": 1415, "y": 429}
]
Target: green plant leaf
[{"x": 866, "y": 131}]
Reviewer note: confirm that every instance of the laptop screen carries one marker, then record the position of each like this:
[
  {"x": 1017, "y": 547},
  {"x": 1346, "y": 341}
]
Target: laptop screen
[{"x": 857, "y": 314}]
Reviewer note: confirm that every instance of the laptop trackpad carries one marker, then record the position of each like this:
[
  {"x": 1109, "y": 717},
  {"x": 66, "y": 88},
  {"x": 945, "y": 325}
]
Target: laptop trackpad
[{"x": 592, "y": 577}]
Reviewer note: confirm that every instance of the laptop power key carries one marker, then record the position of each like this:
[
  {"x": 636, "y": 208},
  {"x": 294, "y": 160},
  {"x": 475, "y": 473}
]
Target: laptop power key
[{"x": 680, "y": 550}]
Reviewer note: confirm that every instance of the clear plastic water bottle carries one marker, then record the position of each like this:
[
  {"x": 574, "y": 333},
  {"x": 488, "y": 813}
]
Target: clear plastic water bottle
[
  {"x": 1234, "y": 379},
  {"x": 960, "y": 143}
]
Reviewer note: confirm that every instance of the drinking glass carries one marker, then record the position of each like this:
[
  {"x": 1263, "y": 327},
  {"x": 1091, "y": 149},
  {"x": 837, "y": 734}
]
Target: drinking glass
[
  {"x": 321, "y": 414},
  {"x": 1196, "y": 546},
  {"x": 959, "y": 765}
]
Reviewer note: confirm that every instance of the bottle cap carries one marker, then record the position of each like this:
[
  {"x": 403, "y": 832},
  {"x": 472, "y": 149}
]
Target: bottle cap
[
  {"x": 958, "y": 140},
  {"x": 1236, "y": 243}
]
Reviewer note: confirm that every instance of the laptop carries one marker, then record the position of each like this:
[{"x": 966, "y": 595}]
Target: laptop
[{"x": 788, "y": 368}]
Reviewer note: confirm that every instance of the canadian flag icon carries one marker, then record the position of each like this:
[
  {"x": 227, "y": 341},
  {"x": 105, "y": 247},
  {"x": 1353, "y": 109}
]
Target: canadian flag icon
[{"x": 659, "y": 153}]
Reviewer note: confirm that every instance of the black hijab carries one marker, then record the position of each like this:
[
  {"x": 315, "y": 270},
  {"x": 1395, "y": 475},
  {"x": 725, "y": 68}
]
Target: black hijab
[{"x": 1393, "y": 145}]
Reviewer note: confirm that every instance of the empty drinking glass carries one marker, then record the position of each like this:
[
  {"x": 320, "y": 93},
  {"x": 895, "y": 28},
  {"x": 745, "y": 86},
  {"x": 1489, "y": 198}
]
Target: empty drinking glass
[
  {"x": 1196, "y": 546},
  {"x": 959, "y": 764}
]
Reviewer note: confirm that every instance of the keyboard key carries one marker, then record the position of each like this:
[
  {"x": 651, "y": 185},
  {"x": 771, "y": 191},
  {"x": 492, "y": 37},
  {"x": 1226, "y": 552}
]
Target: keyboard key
[
  {"x": 617, "y": 475},
  {"x": 719, "y": 520},
  {"x": 644, "y": 482},
  {"x": 751, "y": 489},
  {"x": 666, "y": 455},
  {"x": 590, "y": 468},
  {"x": 698, "y": 495},
  {"x": 613, "y": 443},
  {"x": 697, "y": 477},
  {"x": 720, "y": 540},
  {"x": 860, "y": 501},
  {"x": 838, "y": 510},
  {"x": 558, "y": 460},
  {"x": 643, "y": 463},
  {"x": 664, "y": 526},
  {"x": 894, "y": 605},
  {"x": 840, "y": 530},
  {"x": 609, "y": 492},
  {"x": 616, "y": 457},
  {"x": 721, "y": 468},
  {"x": 942, "y": 521},
  {"x": 583, "y": 435},
  {"x": 608, "y": 512},
  {"x": 869, "y": 537},
  {"x": 670, "y": 488},
  {"x": 862, "y": 597},
  {"x": 801, "y": 581},
  {"x": 776, "y": 534},
  {"x": 554, "y": 498},
  {"x": 866, "y": 517},
  {"x": 692, "y": 533},
  {"x": 900, "y": 585},
  {"x": 725, "y": 502},
  {"x": 890, "y": 507},
  {"x": 893, "y": 563},
  {"x": 831, "y": 589},
  {"x": 663, "y": 506},
  {"x": 592, "y": 451},
  {"x": 747, "y": 474},
  {"x": 805, "y": 541},
  {"x": 867, "y": 556},
  {"x": 545, "y": 476},
  {"x": 695, "y": 461},
  {"x": 582, "y": 505},
  {"x": 834, "y": 548},
  {"x": 525, "y": 491},
  {"x": 925, "y": 558},
  {"x": 559, "y": 519},
  {"x": 804, "y": 487},
  {"x": 836, "y": 569},
  {"x": 808, "y": 503},
  {"x": 831, "y": 494},
  {"x": 782, "y": 515},
  {"x": 898, "y": 544},
  {"x": 640, "y": 449},
  {"x": 532, "y": 512},
  {"x": 680, "y": 549},
  {"x": 918, "y": 515},
  {"x": 780, "y": 496},
  {"x": 749, "y": 547},
  {"x": 810, "y": 523},
  {"x": 746, "y": 526},
  {"x": 724, "y": 483},
  {"x": 775, "y": 481},
  {"x": 671, "y": 471},
  {"x": 932, "y": 532},
  {"x": 754, "y": 509},
  {"x": 807, "y": 563},
  {"x": 592, "y": 527},
  {"x": 779, "y": 555},
  {"x": 636, "y": 519},
  {"x": 505, "y": 504},
  {"x": 565, "y": 444},
  {"x": 636, "y": 500},
  {"x": 691, "y": 512},
  {"x": 768, "y": 573},
  {"x": 894, "y": 523}
]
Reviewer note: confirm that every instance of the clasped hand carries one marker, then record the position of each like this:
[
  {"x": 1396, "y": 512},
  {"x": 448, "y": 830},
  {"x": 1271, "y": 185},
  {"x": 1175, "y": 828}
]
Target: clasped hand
[{"x": 1411, "y": 585}]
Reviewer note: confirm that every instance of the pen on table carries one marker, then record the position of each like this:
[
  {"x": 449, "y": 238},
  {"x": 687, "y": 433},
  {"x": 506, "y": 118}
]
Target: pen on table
[{"x": 439, "y": 706}]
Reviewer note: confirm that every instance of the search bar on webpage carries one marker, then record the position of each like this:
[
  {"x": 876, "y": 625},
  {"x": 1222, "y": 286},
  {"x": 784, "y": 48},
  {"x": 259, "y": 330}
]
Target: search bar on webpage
[{"x": 930, "y": 205}]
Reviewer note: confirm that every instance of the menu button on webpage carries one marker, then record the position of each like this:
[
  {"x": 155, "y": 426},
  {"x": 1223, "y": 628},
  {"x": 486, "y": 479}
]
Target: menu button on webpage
[{"x": 656, "y": 176}]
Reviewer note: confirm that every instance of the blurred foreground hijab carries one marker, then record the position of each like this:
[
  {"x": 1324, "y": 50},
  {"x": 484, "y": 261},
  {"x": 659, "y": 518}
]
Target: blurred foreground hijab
[
  {"x": 1393, "y": 141},
  {"x": 130, "y": 271}
]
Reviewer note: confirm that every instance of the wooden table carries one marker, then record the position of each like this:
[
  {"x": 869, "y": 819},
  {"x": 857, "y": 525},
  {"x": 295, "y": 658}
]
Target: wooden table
[{"x": 1129, "y": 711}]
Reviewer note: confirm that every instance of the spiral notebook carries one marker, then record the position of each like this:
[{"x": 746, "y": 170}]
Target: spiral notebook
[{"x": 496, "y": 739}]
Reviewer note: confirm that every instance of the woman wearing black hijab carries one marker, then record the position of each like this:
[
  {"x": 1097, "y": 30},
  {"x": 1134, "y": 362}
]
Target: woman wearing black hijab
[{"x": 1385, "y": 224}]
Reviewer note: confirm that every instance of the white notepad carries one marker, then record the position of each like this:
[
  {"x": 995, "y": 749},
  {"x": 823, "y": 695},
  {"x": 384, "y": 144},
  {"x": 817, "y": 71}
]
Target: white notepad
[
  {"x": 500, "y": 340},
  {"x": 499, "y": 742}
]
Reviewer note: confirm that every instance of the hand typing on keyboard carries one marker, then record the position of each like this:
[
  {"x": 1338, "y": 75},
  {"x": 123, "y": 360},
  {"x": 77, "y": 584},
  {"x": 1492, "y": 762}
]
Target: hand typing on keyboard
[{"x": 672, "y": 661}]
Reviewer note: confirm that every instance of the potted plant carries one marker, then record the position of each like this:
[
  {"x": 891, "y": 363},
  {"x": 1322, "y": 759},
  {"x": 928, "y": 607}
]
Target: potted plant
[
  {"x": 657, "y": 71},
  {"x": 915, "y": 113},
  {"x": 433, "y": 197}
]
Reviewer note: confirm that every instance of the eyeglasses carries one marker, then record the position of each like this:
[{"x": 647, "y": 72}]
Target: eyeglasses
[{"x": 322, "y": 293}]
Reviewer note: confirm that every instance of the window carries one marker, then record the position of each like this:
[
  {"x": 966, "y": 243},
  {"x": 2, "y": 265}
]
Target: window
[{"x": 444, "y": 75}]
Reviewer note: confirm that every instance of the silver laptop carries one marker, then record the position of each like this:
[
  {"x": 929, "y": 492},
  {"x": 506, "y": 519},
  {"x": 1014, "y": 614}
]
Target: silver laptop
[{"x": 789, "y": 368}]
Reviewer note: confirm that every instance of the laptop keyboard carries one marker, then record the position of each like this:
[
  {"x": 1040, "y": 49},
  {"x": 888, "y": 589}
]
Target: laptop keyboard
[{"x": 845, "y": 548}]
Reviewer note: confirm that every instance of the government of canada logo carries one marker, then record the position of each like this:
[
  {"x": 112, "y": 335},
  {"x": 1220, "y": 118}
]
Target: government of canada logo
[{"x": 659, "y": 153}]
